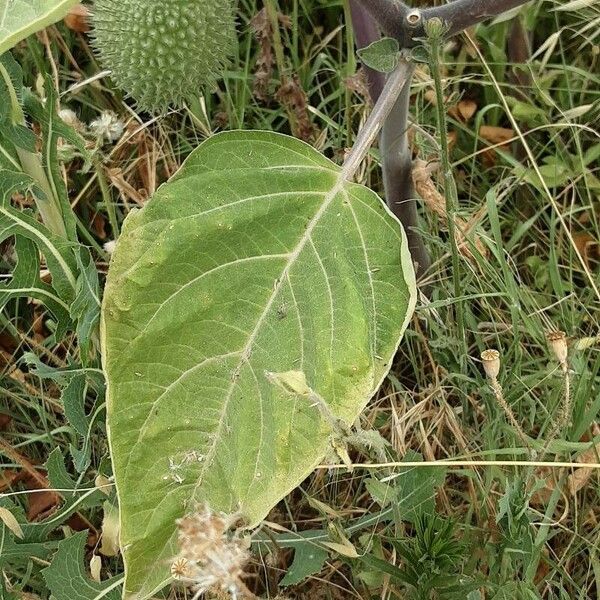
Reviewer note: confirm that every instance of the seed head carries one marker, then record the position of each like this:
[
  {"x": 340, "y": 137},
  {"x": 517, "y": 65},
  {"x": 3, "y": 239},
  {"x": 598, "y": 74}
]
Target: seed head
[
  {"x": 212, "y": 553},
  {"x": 491, "y": 363},
  {"x": 163, "y": 51},
  {"x": 557, "y": 341}
]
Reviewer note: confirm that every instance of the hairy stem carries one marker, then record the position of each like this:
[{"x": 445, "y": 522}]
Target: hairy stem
[
  {"x": 396, "y": 163},
  {"x": 366, "y": 31},
  {"x": 397, "y": 176},
  {"x": 397, "y": 80},
  {"x": 450, "y": 191}
]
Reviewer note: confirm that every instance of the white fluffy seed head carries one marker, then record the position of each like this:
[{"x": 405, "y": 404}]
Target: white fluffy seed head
[{"x": 163, "y": 51}]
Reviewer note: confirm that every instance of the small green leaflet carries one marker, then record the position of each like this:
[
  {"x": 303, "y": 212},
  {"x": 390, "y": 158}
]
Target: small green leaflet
[
  {"x": 382, "y": 55},
  {"x": 20, "y": 18},
  {"x": 258, "y": 257},
  {"x": 308, "y": 560},
  {"x": 67, "y": 578},
  {"x": 76, "y": 497},
  {"x": 14, "y": 550},
  {"x": 411, "y": 492}
]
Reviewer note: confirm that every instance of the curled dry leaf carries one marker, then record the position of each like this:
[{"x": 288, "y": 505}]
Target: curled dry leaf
[
  {"x": 435, "y": 202},
  {"x": 110, "y": 531},
  {"x": 576, "y": 480},
  {"x": 265, "y": 61},
  {"x": 588, "y": 247},
  {"x": 11, "y": 522},
  {"x": 463, "y": 110},
  {"x": 294, "y": 99},
  {"x": 78, "y": 18},
  {"x": 497, "y": 136},
  {"x": 96, "y": 568},
  {"x": 580, "y": 477}
]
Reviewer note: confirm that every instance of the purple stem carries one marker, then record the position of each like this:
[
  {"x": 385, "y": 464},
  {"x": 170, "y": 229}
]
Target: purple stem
[{"x": 366, "y": 31}]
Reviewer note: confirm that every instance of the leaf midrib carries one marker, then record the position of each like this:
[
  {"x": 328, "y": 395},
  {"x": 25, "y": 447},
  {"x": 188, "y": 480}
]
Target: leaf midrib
[{"x": 246, "y": 351}]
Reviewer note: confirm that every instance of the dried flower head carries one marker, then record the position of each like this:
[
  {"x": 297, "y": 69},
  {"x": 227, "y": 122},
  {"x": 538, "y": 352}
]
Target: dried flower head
[
  {"x": 557, "y": 340},
  {"x": 491, "y": 363},
  {"x": 107, "y": 127},
  {"x": 212, "y": 553}
]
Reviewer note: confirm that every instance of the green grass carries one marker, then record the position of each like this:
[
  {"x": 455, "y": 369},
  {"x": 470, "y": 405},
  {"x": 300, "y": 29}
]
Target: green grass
[{"x": 501, "y": 532}]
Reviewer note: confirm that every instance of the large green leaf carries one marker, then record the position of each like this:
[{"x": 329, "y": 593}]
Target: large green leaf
[
  {"x": 256, "y": 258},
  {"x": 20, "y": 18}
]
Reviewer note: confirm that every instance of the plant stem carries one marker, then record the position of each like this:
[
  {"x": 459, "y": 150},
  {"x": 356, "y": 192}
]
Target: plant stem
[
  {"x": 449, "y": 186},
  {"x": 397, "y": 80},
  {"x": 397, "y": 176},
  {"x": 407, "y": 25},
  {"x": 366, "y": 31},
  {"x": 31, "y": 164},
  {"x": 396, "y": 161}
]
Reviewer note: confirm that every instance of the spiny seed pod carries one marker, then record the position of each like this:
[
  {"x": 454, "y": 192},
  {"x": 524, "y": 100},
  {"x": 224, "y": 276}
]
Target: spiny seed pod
[{"x": 162, "y": 51}]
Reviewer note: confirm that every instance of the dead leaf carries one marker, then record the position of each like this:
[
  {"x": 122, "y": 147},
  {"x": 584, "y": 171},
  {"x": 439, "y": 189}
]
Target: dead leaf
[
  {"x": 99, "y": 226},
  {"x": 435, "y": 202},
  {"x": 41, "y": 503},
  {"x": 294, "y": 99},
  {"x": 110, "y": 530},
  {"x": 496, "y": 135},
  {"x": 588, "y": 247},
  {"x": 95, "y": 567},
  {"x": 11, "y": 522},
  {"x": 9, "y": 477},
  {"x": 579, "y": 478},
  {"x": 463, "y": 110},
  {"x": 78, "y": 18},
  {"x": 344, "y": 549},
  {"x": 4, "y": 423}
]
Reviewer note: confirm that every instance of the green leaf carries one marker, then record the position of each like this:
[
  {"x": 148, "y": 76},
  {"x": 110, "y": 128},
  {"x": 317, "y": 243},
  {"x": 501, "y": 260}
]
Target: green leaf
[
  {"x": 53, "y": 129},
  {"x": 308, "y": 560},
  {"x": 12, "y": 549},
  {"x": 60, "y": 258},
  {"x": 256, "y": 258},
  {"x": 66, "y": 576},
  {"x": 20, "y": 18},
  {"x": 26, "y": 282},
  {"x": 382, "y": 55},
  {"x": 85, "y": 309},
  {"x": 412, "y": 491}
]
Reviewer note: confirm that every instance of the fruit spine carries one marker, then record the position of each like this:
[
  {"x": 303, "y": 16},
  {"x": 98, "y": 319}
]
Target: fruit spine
[{"x": 162, "y": 51}]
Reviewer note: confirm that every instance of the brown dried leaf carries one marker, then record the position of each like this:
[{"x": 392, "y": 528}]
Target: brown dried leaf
[
  {"x": 580, "y": 477},
  {"x": 463, "y": 110},
  {"x": 41, "y": 503},
  {"x": 588, "y": 247},
  {"x": 263, "y": 32},
  {"x": 293, "y": 98},
  {"x": 496, "y": 135},
  {"x": 78, "y": 18},
  {"x": 99, "y": 226},
  {"x": 437, "y": 203}
]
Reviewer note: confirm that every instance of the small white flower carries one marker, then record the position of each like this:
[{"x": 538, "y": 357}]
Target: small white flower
[
  {"x": 70, "y": 118},
  {"x": 107, "y": 127},
  {"x": 109, "y": 247}
]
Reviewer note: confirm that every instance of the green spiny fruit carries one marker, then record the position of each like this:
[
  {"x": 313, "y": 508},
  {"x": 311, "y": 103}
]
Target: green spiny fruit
[{"x": 162, "y": 51}]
